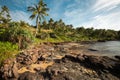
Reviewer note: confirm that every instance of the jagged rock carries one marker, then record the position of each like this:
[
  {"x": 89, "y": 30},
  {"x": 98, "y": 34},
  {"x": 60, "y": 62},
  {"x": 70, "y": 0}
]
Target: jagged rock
[
  {"x": 27, "y": 57},
  {"x": 70, "y": 67},
  {"x": 117, "y": 57},
  {"x": 92, "y": 49},
  {"x": 80, "y": 57},
  {"x": 102, "y": 62},
  {"x": 69, "y": 57},
  {"x": 30, "y": 76},
  {"x": 9, "y": 70},
  {"x": 15, "y": 70}
]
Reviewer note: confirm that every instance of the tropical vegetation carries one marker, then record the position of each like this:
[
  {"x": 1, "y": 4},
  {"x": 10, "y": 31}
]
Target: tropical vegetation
[{"x": 15, "y": 36}]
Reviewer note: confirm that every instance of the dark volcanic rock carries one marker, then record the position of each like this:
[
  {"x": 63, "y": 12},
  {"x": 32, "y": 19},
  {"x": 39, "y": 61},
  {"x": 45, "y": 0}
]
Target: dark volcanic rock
[
  {"x": 30, "y": 76},
  {"x": 92, "y": 49},
  {"x": 70, "y": 67},
  {"x": 80, "y": 58},
  {"x": 85, "y": 67},
  {"x": 101, "y": 40},
  {"x": 117, "y": 57},
  {"x": 100, "y": 62}
]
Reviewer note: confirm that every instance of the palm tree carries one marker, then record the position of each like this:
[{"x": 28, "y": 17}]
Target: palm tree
[
  {"x": 51, "y": 22},
  {"x": 4, "y": 15},
  {"x": 38, "y": 12},
  {"x": 44, "y": 25},
  {"x": 5, "y": 9}
]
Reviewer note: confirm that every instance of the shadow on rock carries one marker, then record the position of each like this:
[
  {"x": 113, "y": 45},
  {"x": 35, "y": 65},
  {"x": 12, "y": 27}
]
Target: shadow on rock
[{"x": 103, "y": 65}]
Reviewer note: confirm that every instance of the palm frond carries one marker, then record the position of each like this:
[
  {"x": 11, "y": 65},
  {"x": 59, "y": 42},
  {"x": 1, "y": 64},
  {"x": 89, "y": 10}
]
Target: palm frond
[
  {"x": 44, "y": 13},
  {"x": 32, "y": 16},
  {"x": 37, "y": 8},
  {"x": 31, "y": 8},
  {"x": 42, "y": 16},
  {"x": 45, "y": 9},
  {"x": 4, "y": 9}
]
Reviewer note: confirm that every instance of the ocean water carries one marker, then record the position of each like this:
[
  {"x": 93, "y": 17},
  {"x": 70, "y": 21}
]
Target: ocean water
[{"x": 108, "y": 47}]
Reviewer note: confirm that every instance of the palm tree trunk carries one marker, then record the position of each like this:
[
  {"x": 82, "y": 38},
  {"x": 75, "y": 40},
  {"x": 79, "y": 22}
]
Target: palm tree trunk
[{"x": 37, "y": 24}]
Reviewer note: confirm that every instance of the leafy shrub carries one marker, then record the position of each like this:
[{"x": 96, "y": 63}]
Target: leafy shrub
[
  {"x": 53, "y": 35},
  {"x": 7, "y": 50},
  {"x": 42, "y": 35},
  {"x": 17, "y": 34}
]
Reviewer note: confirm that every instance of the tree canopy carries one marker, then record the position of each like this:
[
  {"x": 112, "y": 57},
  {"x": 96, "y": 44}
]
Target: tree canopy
[{"x": 39, "y": 11}]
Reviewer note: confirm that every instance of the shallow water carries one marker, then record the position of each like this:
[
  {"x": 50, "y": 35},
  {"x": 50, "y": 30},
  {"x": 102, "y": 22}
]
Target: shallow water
[{"x": 109, "y": 47}]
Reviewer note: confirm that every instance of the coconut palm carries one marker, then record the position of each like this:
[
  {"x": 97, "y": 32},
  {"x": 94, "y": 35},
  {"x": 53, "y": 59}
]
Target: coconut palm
[
  {"x": 4, "y": 15},
  {"x": 51, "y": 22},
  {"x": 39, "y": 12},
  {"x": 5, "y": 9}
]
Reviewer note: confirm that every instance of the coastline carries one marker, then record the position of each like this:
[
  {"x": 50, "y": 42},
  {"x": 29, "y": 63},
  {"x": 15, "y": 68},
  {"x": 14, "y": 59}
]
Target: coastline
[{"x": 59, "y": 61}]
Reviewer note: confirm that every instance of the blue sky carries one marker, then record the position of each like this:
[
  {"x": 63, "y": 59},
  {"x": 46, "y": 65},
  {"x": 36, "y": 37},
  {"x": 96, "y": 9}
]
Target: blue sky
[{"x": 103, "y": 14}]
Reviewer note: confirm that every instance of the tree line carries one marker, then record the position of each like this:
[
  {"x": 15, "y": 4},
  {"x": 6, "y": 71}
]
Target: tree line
[
  {"x": 80, "y": 33},
  {"x": 17, "y": 32}
]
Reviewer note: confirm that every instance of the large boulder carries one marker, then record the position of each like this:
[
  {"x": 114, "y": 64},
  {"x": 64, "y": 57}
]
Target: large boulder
[
  {"x": 27, "y": 58},
  {"x": 9, "y": 70}
]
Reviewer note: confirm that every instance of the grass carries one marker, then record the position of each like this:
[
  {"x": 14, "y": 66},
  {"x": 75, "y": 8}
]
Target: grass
[
  {"x": 7, "y": 50},
  {"x": 37, "y": 41}
]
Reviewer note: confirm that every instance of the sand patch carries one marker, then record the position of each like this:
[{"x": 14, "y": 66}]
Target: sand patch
[
  {"x": 59, "y": 57},
  {"x": 31, "y": 68}
]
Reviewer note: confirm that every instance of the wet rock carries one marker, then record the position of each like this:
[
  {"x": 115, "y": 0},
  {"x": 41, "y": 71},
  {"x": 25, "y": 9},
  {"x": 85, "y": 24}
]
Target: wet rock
[
  {"x": 90, "y": 67},
  {"x": 101, "y": 40},
  {"x": 69, "y": 57},
  {"x": 92, "y": 49},
  {"x": 117, "y": 57},
  {"x": 101, "y": 62}
]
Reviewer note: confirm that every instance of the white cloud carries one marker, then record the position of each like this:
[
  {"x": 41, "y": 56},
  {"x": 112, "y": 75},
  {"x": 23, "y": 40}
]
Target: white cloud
[
  {"x": 109, "y": 21},
  {"x": 21, "y": 15},
  {"x": 55, "y": 9},
  {"x": 25, "y": 3},
  {"x": 71, "y": 6},
  {"x": 92, "y": 17},
  {"x": 105, "y": 4},
  {"x": 73, "y": 16},
  {"x": 77, "y": 15}
]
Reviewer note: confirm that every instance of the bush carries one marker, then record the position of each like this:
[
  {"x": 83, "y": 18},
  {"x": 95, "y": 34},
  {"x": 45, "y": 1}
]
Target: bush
[
  {"x": 53, "y": 35},
  {"x": 7, "y": 50},
  {"x": 42, "y": 35},
  {"x": 17, "y": 34}
]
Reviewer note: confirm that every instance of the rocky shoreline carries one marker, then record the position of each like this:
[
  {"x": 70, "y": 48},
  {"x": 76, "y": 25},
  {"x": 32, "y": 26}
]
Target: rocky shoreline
[{"x": 60, "y": 61}]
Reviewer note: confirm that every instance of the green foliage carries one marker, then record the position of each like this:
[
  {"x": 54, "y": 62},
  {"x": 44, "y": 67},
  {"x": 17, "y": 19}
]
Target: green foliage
[
  {"x": 5, "y": 17},
  {"x": 7, "y": 50},
  {"x": 68, "y": 33},
  {"x": 118, "y": 35},
  {"x": 42, "y": 35},
  {"x": 16, "y": 34},
  {"x": 39, "y": 11},
  {"x": 51, "y": 31}
]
